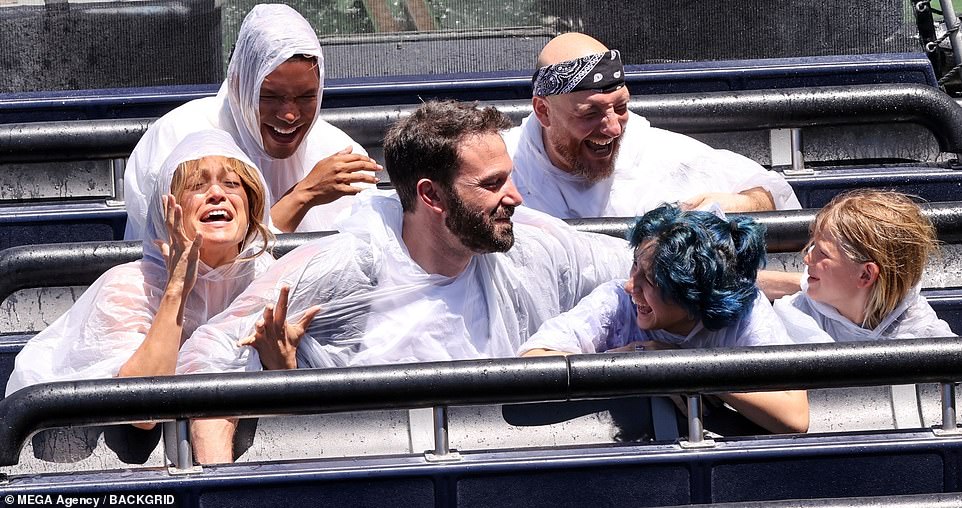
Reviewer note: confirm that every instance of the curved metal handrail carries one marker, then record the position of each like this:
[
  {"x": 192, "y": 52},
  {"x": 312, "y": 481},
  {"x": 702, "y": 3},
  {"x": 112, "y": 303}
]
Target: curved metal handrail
[
  {"x": 80, "y": 263},
  {"x": 686, "y": 113},
  {"x": 467, "y": 382}
]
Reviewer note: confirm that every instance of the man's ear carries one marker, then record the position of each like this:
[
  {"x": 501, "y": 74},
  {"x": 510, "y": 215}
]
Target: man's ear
[
  {"x": 541, "y": 107},
  {"x": 869, "y": 275},
  {"x": 430, "y": 195}
]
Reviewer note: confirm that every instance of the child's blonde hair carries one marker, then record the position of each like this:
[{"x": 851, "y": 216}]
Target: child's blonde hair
[{"x": 888, "y": 229}]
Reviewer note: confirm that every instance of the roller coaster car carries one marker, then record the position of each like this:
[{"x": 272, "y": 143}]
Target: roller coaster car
[{"x": 862, "y": 108}]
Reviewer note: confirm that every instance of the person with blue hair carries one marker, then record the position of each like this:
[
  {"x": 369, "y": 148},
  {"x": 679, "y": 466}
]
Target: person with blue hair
[{"x": 692, "y": 285}]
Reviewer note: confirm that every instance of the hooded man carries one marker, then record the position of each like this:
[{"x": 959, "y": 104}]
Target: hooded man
[{"x": 269, "y": 105}]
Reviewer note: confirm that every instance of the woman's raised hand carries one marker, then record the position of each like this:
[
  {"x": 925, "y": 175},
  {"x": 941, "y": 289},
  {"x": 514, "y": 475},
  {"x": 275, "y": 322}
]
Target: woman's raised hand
[{"x": 180, "y": 253}]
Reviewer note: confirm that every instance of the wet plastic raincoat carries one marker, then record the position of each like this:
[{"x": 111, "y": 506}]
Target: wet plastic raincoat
[
  {"x": 379, "y": 306},
  {"x": 653, "y": 166},
  {"x": 111, "y": 319},
  {"x": 269, "y": 36}
]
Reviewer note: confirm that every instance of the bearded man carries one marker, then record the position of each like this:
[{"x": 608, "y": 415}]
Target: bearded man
[
  {"x": 582, "y": 153},
  {"x": 439, "y": 271}
]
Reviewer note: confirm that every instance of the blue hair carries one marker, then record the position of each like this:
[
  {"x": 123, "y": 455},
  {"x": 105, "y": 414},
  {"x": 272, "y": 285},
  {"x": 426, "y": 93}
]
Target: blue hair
[{"x": 702, "y": 262}]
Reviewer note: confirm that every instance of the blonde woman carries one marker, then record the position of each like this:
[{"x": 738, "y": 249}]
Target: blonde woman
[
  {"x": 864, "y": 264},
  {"x": 207, "y": 239}
]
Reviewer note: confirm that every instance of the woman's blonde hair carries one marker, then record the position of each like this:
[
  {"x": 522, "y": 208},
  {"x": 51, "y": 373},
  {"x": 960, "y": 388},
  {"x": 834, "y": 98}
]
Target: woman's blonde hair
[
  {"x": 256, "y": 199},
  {"x": 888, "y": 229}
]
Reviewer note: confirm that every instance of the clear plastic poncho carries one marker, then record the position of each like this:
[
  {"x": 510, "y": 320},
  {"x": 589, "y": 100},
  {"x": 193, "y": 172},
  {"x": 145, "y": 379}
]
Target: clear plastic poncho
[
  {"x": 653, "y": 166},
  {"x": 811, "y": 321},
  {"x": 111, "y": 319},
  {"x": 379, "y": 306},
  {"x": 605, "y": 320},
  {"x": 269, "y": 35}
]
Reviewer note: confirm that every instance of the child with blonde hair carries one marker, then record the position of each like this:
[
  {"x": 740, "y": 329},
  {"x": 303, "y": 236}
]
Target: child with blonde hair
[{"x": 864, "y": 264}]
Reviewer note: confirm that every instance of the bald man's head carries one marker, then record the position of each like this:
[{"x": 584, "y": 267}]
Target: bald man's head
[
  {"x": 569, "y": 46},
  {"x": 580, "y": 100}
]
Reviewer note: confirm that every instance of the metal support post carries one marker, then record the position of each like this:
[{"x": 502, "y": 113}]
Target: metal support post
[
  {"x": 952, "y": 26},
  {"x": 441, "y": 446},
  {"x": 183, "y": 452},
  {"x": 948, "y": 407},
  {"x": 696, "y": 426},
  {"x": 798, "y": 159},
  {"x": 117, "y": 168},
  {"x": 442, "y": 451}
]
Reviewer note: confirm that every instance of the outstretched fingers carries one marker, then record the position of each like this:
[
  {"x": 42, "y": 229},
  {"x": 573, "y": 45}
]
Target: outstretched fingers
[
  {"x": 280, "y": 311},
  {"x": 308, "y": 316}
]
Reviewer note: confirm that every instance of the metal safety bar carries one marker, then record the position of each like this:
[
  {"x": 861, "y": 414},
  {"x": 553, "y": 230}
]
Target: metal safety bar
[
  {"x": 686, "y": 113},
  {"x": 80, "y": 263},
  {"x": 469, "y": 382}
]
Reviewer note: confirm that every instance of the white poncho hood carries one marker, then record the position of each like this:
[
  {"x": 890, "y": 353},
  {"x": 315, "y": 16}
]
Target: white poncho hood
[
  {"x": 811, "y": 321},
  {"x": 111, "y": 319},
  {"x": 269, "y": 35}
]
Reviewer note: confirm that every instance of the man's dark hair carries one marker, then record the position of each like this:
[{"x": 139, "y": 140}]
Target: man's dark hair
[{"x": 425, "y": 144}]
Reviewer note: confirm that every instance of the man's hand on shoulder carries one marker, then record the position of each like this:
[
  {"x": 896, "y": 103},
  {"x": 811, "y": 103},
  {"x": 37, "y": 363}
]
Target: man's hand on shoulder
[
  {"x": 756, "y": 199},
  {"x": 276, "y": 339}
]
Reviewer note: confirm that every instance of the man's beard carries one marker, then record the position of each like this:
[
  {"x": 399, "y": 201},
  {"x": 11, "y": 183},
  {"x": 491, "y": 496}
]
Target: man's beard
[
  {"x": 578, "y": 168},
  {"x": 476, "y": 229}
]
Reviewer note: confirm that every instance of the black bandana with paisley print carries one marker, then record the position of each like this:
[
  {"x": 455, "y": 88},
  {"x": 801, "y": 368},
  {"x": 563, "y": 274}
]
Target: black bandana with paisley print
[{"x": 601, "y": 71}]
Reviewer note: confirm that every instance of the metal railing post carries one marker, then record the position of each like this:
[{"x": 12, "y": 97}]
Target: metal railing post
[
  {"x": 696, "y": 425},
  {"x": 798, "y": 159},
  {"x": 441, "y": 445},
  {"x": 117, "y": 168},
  {"x": 442, "y": 450},
  {"x": 948, "y": 407},
  {"x": 183, "y": 452}
]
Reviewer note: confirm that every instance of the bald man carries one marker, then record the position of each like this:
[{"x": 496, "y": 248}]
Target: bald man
[{"x": 581, "y": 153}]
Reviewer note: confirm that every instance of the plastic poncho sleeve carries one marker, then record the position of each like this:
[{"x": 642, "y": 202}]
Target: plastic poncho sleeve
[
  {"x": 317, "y": 273},
  {"x": 98, "y": 334},
  {"x": 600, "y": 321},
  {"x": 579, "y": 261},
  {"x": 741, "y": 173}
]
